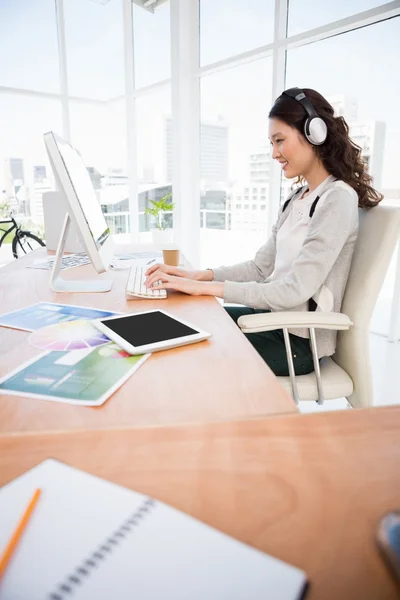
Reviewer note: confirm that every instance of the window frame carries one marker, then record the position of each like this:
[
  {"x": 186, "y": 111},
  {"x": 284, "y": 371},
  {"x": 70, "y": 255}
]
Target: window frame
[{"x": 186, "y": 74}]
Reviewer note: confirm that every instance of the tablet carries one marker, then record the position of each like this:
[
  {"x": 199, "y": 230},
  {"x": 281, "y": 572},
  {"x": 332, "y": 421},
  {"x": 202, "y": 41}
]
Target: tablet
[{"x": 149, "y": 331}]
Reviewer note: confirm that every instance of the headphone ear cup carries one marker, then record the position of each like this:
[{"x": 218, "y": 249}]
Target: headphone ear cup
[{"x": 316, "y": 131}]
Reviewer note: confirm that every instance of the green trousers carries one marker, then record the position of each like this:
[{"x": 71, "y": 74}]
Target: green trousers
[{"x": 271, "y": 345}]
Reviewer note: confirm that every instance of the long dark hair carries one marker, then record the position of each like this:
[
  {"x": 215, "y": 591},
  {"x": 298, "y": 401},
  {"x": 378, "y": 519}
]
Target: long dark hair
[{"x": 340, "y": 156}]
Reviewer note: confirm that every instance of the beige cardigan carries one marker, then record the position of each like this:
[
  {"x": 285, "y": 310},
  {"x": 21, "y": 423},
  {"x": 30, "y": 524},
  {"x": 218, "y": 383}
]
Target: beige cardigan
[{"x": 320, "y": 271}]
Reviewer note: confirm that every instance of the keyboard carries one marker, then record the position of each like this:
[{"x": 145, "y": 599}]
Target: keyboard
[
  {"x": 68, "y": 261},
  {"x": 135, "y": 287}
]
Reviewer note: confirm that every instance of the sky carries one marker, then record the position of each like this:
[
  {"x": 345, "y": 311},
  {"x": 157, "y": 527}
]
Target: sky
[{"x": 361, "y": 64}]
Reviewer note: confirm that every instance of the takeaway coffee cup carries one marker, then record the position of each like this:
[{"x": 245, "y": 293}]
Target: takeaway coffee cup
[{"x": 171, "y": 255}]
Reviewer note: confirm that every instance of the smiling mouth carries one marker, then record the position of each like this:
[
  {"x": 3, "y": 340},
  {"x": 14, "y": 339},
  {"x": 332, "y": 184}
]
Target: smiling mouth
[{"x": 284, "y": 164}]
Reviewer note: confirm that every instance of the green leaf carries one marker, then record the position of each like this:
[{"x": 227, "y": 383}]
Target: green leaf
[
  {"x": 151, "y": 211},
  {"x": 159, "y": 208}
]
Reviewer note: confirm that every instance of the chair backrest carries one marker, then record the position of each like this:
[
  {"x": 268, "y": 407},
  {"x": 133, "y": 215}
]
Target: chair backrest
[{"x": 377, "y": 238}]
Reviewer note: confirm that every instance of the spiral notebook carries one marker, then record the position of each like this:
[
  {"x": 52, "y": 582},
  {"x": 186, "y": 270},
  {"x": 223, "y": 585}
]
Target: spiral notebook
[{"x": 89, "y": 539}]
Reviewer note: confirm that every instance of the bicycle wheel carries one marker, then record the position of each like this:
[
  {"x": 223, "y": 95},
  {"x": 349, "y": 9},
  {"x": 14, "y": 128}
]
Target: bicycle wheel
[{"x": 24, "y": 242}]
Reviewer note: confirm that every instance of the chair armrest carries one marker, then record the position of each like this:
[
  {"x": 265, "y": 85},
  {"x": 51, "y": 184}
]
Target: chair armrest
[{"x": 292, "y": 320}]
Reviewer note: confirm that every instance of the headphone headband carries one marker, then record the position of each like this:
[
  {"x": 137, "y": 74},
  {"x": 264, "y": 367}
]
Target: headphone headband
[
  {"x": 315, "y": 128},
  {"x": 298, "y": 94}
]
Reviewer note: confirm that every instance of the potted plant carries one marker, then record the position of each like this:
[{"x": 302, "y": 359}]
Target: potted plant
[{"x": 161, "y": 233}]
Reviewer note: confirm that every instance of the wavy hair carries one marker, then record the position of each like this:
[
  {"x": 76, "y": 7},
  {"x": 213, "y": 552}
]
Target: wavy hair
[{"x": 340, "y": 156}]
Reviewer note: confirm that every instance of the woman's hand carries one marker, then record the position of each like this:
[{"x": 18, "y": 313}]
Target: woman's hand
[
  {"x": 206, "y": 275},
  {"x": 160, "y": 279},
  {"x": 176, "y": 271}
]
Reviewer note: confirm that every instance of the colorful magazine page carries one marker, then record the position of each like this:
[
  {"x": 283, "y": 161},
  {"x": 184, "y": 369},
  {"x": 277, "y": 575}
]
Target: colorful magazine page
[
  {"x": 85, "y": 377},
  {"x": 43, "y": 314}
]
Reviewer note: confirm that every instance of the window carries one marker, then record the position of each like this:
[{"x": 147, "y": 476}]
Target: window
[
  {"x": 98, "y": 131},
  {"x": 154, "y": 150},
  {"x": 229, "y": 27},
  {"x": 152, "y": 45},
  {"x": 371, "y": 110},
  {"x": 240, "y": 124},
  {"x": 25, "y": 172},
  {"x": 302, "y": 17},
  {"x": 95, "y": 52},
  {"x": 28, "y": 45}
]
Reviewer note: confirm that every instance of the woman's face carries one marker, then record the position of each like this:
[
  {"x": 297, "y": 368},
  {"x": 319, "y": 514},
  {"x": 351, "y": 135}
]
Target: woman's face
[{"x": 295, "y": 155}]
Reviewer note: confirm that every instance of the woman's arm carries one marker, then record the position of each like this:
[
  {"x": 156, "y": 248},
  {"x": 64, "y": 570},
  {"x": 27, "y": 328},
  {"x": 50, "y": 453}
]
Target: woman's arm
[
  {"x": 210, "y": 281},
  {"x": 334, "y": 220}
]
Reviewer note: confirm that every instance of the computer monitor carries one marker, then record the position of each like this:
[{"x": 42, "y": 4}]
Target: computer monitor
[{"x": 84, "y": 211}]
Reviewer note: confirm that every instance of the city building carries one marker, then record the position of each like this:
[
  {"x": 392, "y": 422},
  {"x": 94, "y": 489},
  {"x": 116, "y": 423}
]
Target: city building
[
  {"x": 95, "y": 177},
  {"x": 259, "y": 166},
  {"x": 213, "y": 151},
  {"x": 370, "y": 136},
  {"x": 14, "y": 179},
  {"x": 114, "y": 176},
  {"x": 39, "y": 173},
  {"x": 249, "y": 201},
  {"x": 249, "y": 207},
  {"x": 14, "y": 172},
  {"x": 215, "y": 208},
  {"x": 344, "y": 106}
]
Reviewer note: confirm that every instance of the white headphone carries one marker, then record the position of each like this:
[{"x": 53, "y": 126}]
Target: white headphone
[{"x": 315, "y": 129}]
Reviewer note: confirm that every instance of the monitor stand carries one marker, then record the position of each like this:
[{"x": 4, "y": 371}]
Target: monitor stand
[{"x": 66, "y": 285}]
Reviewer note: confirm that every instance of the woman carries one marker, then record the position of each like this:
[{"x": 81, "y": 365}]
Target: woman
[{"x": 305, "y": 263}]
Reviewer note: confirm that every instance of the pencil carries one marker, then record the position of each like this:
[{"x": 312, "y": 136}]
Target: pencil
[{"x": 9, "y": 549}]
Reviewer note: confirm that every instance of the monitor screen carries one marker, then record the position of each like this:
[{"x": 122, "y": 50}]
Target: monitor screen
[{"x": 84, "y": 191}]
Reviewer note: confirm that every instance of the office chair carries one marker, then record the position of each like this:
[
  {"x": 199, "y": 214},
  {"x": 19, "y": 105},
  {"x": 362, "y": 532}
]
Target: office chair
[{"x": 348, "y": 372}]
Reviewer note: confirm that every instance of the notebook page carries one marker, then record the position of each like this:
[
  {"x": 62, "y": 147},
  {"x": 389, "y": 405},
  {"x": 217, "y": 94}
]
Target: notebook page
[
  {"x": 138, "y": 548},
  {"x": 173, "y": 557},
  {"x": 75, "y": 513}
]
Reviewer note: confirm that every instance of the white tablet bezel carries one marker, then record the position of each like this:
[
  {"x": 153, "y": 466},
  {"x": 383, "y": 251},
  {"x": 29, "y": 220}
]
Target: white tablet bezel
[{"x": 155, "y": 346}]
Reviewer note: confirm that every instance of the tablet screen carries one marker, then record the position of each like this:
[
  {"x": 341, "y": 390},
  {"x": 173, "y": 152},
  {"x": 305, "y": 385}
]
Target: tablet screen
[{"x": 148, "y": 328}]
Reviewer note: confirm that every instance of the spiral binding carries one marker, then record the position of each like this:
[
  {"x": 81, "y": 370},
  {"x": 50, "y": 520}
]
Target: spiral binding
[{"x": 86, "y": 567}]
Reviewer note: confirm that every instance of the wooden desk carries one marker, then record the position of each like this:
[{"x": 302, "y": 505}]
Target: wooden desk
[
  {"x": 220, "y": 379},
  {"x": 309, "y": 489}
]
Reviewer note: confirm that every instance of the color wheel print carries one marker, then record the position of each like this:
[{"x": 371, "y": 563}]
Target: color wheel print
[{"x": 72, "y": 335}]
